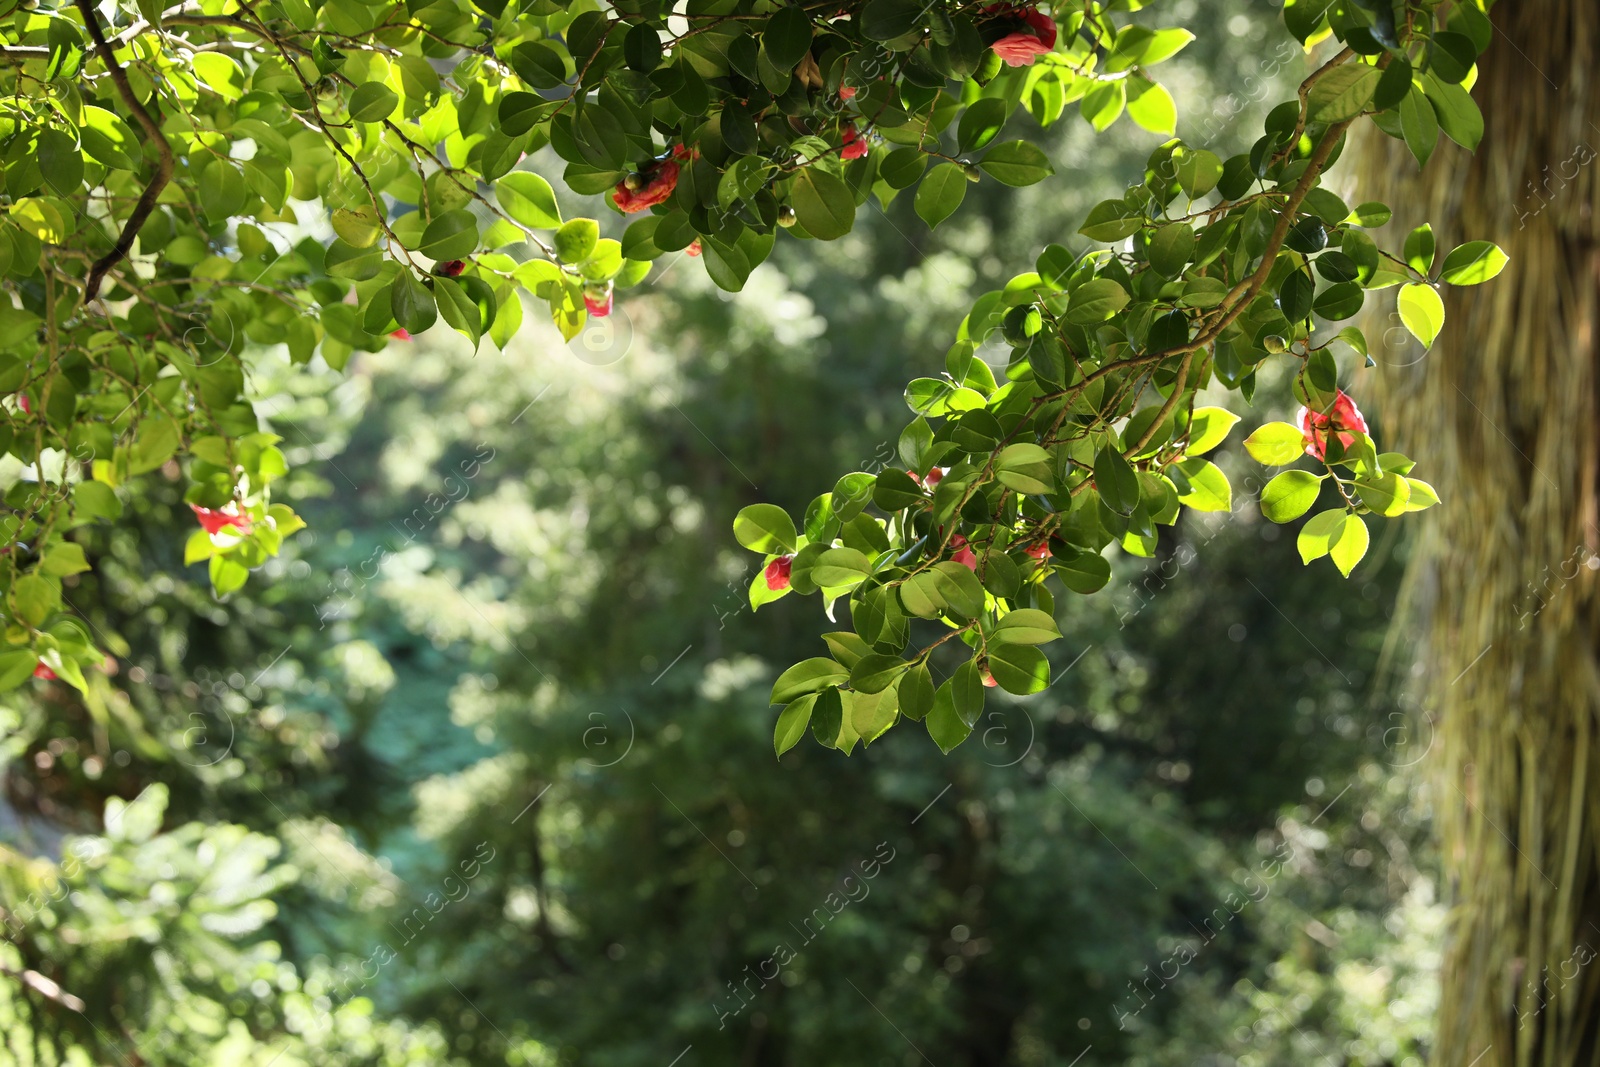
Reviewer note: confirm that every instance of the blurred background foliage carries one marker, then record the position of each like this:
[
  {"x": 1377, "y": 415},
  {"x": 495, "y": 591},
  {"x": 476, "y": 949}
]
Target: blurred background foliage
[{"x": 480, "y": 772}]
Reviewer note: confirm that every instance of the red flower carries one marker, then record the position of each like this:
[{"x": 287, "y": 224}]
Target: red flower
[
  {"x": 215, "y": 520},
  {"x": 931, "y": 480},
  {"x": 778, "y": 573},
  {"x": 41, "y": 671},
  {"x": 402, "y": 334},
  {"x": 659, "y": 182},
  {"x": 1343, "y": 419},
  {"x": 450, "y": 269},
  {"x": 988, "y": 679},
  {"x": 1039, "y": 551},
  {"x": 22, "y": 402},
  {"x": 598, "y": 301},
  {"x": 854, "y": 145},
  {"x": 694, "y": 247},
  {"x": 1035, "y": 35},
  {"x": 847, "y": 92},
  {"x": 963, "y": 553}
]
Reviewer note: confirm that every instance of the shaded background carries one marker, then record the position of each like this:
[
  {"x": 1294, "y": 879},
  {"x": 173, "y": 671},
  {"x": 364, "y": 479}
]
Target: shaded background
[{"x": 480, "y": 770}]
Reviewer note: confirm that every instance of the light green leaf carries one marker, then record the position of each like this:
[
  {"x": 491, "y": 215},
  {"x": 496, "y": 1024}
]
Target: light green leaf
[
  {"x": 808, "y": 676},
  {"x": 1208, "y": 428},
  {"x": 529, "y": 199},
  {"x": 1473, "y": 263},
  {"x": 1290, "y": 495},
  {"x": 1276, "y": 443},
  {"x": 765, "y": 528},
  {"x": 1422, "y": 312}
]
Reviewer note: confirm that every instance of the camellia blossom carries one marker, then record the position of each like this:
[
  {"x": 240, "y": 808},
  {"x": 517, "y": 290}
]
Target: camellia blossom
[
  {"x": 988, "y": 679},
  {"x": 402, "y": 334},
  {"x": 847, "y": 92},
  {"x": 1034, "y": 36},
  {"x": 659, "y": 182},
  {"x": 22, "y": 402},
  {"x": 1343, "y": 419},
  {"x": 854, "y": 145},
  {"x": 450, "y": 269},
  {"x": 215, "y": 520},
  {"x": 1040, "y": 550},
  {"x": 41, "y": 671},
  {"x": 694, "y": 247},
  {"x": 598, "y": 303},
  {"x": 963, "y": 553},
  {"x": 778, "y": 573},
  {"x": 931, "y": 480}
]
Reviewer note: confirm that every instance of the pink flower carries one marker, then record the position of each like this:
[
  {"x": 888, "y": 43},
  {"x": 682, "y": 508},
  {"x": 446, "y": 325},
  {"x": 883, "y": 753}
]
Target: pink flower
[
  {"x": 657, "y": 185},
  {"x": 1343, "y": 420},
  {"x": 931, "y": 480},
  {"x": 694, "y": 247},
  {"x": 215, "y": 520},
  {"x": 847, "y": 92},
  {"x": 963, "y": 553},
  {"x": 1040, "y": 550},
  {"x": 778, "y": 573},
  {"x": 1035, "y": 34},
  {"x": 41, "y": 671},
  {"x": 598, "y": 301},
  {"x": 988, "y": 679},
  {"x": 22, "y": 402},
  {"x": 402, "y": 334},
  {"x": 451, "y": 269},
  {"x": 854, "y": 145}
]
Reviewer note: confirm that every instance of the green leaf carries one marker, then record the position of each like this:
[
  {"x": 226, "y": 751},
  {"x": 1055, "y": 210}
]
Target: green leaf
[
  {"x": 827, "y": 718},
  {"x": 1276, "y": 443},
  {"x": 16, "y": 667},
  {"x": 1025, "y": 468},
  {"x": 60, "y": 161},
  {"x": 411, "y": 303},
  {"x": 940, "y": 193},
  {"x": 945, "y": 726},
  {"x": 808, "y": 676},
  {"x": 1422, "y": 312},
  {"x": 1422, "y": 496},
  {"x": 1419, "y": 125},
  {"x": 823, "y": 204},
  {"x": 1473, "y": 263},
  {"x": 1208, "y": 428},
  {"x": 765, "y": 528},
  {"x": 62, "y": 559},
  {"x": 1024, "y": 626},
  {"x": 460, "y": 310},
  {"x": 1387, "y": 494},
  {"x": 529, "y": 199},
  {"x": 874, "y": 672},
  {"x": 345, "y": 260},
  {"x": 1419, "y": 249},
  {"x": 980, "y": 123},
  {"x": 840, "y": 568},
  {"x": 884, "y": 20},
  {"x": 452, "y": 235},
  {"x": 576, "y": 241},
  {"x": 1343, "y": 93},
  {"x": 1350, "y": 545},
  {"x": 1318, "y": 535},
  {"x": 1290, "y": 495},
  {"x": 1016, "y": 163},
  {"x": 373, "y": 102},
  {"x": 1116, "y": 481},
  {"x": 1371, "y": 214},
  {"x": 107, "y": 139},
  {"x": 916, "y": 692},
  {"x": 1208, "y": 486},
  {"x": 1151, "y": 106},
  {"x": 947, "y": 587},
  {"x": 1112, "y": 220},
  {"x": 220, "y": 73},
  {"x": 1198, "y": 171},
  {"x": 792, "y": 723},
  {"x": 787, "y": 37},
  {"x": 1020, "y": 669},
  {"x": 34, "y": 597},
  {"x": 1095, "y": 301},
  {"x": 1086, "y": 573},
  {"x": 96, "y": 500}
]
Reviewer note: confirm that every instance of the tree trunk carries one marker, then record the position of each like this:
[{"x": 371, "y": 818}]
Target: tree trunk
[{"x": 1501, "y": 416}]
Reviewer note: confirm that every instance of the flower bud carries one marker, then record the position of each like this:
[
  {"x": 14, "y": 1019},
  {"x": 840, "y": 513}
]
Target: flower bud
[
  {"x": 1275, "y": 344},
  {"x": 972, "y": 172},
  {"x": 786, "y": 216}
]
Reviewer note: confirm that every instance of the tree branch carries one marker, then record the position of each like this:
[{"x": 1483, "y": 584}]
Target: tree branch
[{"x": 158, "y": 181}]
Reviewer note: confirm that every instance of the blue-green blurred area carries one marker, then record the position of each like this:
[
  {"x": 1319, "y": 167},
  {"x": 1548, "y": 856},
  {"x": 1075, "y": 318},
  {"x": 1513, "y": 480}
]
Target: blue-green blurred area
[{"x": 481, "y": 772}]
